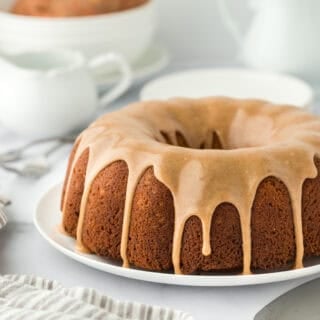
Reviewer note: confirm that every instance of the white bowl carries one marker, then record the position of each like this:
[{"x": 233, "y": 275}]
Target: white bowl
[
  {"x": 237, "y": 83},
  {"x": 129, "y": 32}
]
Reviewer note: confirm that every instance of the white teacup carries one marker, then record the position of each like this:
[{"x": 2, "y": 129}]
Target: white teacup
[{"x": 51, "y": 93}]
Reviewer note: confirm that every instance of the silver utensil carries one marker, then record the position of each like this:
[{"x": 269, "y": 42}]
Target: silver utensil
[
  {"x": 298, "y": 304},
  {"x": 18, "y": 154},
  {"x": 36, "y": 167},
  {"x": 3, "y": 216}
]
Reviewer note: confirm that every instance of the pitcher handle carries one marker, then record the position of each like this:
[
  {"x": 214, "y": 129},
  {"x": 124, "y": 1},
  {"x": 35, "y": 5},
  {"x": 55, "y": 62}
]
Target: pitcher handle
[
  {"x": 125, "y": 81},
  {"x": 228, "y": 21}
]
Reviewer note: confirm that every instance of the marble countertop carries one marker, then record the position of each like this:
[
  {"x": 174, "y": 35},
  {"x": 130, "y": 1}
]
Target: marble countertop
[{"x": 23, "y": 251}]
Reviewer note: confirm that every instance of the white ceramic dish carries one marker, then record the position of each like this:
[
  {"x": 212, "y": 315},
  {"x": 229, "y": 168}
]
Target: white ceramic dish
[
  {"x": 128, "y": 32},
  {"x": 48, "y": 217},
  {"x": 61, "y": 78},
  {"x": 152, "y": 61},
  {"x": 238, "y": 83}
]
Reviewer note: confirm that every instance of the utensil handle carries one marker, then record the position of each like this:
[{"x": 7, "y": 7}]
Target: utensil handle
[
  {"x": 3, "y": 216},
  {"x": 125, "y": 81}
]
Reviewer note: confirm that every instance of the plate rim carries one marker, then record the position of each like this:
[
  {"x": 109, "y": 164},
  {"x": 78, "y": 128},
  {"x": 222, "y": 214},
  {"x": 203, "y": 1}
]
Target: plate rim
[
  {"x": 308, "y": 90},
  {"x": 156, "y": 277}
]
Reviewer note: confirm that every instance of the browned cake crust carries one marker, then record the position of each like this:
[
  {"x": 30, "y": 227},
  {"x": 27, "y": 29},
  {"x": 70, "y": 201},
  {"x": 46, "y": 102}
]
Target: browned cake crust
[
  {"x": 152, "y": 224},
  {"x": 151, "y": 228},
  {"x": 72, "y": 203},
  {"x": 71, "y": 158},
  {"x": 226, "y": 243},
  {"x": 272, "y": 229},
  {"x": 311, "y": 214},
  {"x": 102, "y": 225},
  {"x": 69, "y": 8}
]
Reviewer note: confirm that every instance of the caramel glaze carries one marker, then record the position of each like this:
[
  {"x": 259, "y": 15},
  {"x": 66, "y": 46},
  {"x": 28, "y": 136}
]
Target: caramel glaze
[{"x": 259, "y": 140}]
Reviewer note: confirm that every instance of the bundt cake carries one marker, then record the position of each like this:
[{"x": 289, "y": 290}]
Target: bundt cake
[
  {"x": 206, "y": 185},
  {"x": 69, "y": 8}
]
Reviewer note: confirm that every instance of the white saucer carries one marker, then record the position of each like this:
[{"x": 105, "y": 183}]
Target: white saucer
[
  {"x": 237, "y": 83},
  {"x": 154, "y": 59},
  {"x": 48, "y": 218}
]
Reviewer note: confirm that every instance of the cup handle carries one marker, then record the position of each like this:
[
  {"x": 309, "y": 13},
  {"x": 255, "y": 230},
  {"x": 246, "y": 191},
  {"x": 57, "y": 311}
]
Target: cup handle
[
  {"x": 124, "y": 82},
  {"x": 229, "y": 23}
]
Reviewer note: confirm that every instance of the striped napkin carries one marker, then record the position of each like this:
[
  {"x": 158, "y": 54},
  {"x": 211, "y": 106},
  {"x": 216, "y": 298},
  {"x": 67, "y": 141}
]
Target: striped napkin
[{"x": 33, "y": 298}]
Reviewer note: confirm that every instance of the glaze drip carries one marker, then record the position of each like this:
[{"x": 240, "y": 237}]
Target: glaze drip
[{"x": 182, "y": 141}]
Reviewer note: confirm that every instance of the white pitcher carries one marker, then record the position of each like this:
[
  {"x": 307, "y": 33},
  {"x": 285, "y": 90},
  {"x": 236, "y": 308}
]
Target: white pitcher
[
  {"x": 283, "y": 36},
  {"x": 51, "y": 93}
]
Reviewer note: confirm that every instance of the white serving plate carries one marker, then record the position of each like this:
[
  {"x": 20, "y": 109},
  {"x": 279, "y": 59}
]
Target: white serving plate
[
  {"x": 48, "y": 218},
  {"x": 237, "y": 83}
]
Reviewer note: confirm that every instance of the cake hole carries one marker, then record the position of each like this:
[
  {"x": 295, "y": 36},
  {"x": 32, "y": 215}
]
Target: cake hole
[
  {"x": 212, "y": 141},
  {"x": 166, "y": 138},
  {"x": 216, "y": 143},
  {"x": 181, "y": 141}
]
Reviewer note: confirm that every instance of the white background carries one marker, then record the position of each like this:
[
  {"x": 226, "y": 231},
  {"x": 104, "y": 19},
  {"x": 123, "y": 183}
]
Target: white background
[{"x": 194, "y": 33}]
